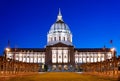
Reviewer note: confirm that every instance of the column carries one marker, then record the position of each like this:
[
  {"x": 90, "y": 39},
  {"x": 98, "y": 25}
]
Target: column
[
  {"x": 26, "y": 55},
  {"x": 97, "y": 56},
  {"x": 56, "y": 55},
  {"x": 29, "y": 57},
  {"x": 33, "y": 57},
  {"x": 62, "y": 55},
  {"x": 22, "y": 56},
  {"x": 37, "y": 57},
  {"x": 40, "y": 58},
  {"x": 78, "y": 57},
  {"x": 68, "y": 56},
  {"x": 18, "y": 56},
  {"x": 90, "y": 56},
  {"x": 100, "y": 54},
  {"x": 82, "y": 57}
]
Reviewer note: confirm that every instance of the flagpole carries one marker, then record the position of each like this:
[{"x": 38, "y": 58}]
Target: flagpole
[{"x": 111, "y": 42}]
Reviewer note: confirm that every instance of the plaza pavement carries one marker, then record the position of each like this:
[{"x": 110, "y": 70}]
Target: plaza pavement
[{"x": 60, "y": 76}]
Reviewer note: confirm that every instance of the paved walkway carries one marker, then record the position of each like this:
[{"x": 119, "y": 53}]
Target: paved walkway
[{"x": 60, "y": 76}]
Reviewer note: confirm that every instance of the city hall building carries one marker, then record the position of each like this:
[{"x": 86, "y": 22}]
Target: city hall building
[{"x": 59, "y": 52}]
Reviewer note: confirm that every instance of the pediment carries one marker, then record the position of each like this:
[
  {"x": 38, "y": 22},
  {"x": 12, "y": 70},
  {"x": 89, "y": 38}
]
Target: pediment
[{"x": 60, "y": 44}]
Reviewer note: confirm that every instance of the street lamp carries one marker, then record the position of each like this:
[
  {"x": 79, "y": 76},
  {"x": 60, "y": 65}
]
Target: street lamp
[
  {"x": 113, "y": 59},
  {"x": 7, "y": 50},
  {"x": 113, "y": 52},
  {"x": 112, "y": 49},
  {"x": 6, "y": 64}
]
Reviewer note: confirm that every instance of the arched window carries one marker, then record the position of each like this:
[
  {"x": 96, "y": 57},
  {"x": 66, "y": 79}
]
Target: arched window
[
  {"x": 64, "y": 38},
  {"x": 67, "y": 38},
  {"x": 59, "y": 38},
  {"x": 51, "y": 39},
  {"x": 55, "y": 38}
]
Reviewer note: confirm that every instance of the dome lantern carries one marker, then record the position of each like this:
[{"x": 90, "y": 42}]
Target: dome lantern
[{"x": 59, "y": 17}]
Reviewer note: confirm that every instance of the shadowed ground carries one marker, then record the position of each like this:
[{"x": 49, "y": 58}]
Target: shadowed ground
[{"x": 60, "y": 76}]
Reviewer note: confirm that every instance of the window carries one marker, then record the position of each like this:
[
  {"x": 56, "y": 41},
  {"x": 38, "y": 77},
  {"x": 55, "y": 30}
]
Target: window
[
  {"x": 51, "y": 39},
  {"x": 64, "y": 38},
  {"x": 59, "y": 38},
  {"x": 55, "y": 38}
]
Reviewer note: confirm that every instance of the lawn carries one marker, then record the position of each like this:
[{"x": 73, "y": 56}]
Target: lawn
[{"x": 60, "y": 76}]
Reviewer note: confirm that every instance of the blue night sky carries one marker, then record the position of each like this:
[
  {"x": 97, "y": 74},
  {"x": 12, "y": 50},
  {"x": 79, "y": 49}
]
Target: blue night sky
[{"x": 26, "y": 23}]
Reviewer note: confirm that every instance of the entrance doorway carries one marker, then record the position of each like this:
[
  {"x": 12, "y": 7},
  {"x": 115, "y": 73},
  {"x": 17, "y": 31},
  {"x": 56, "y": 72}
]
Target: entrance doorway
[
  {"x": 59, "y": 67},
  {"x": 53, "y": 67},
  {"x": 65, "y": 67}
]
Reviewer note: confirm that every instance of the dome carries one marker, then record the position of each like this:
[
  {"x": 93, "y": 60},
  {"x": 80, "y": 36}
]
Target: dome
[
  {"x": 59, "y": 32},
  {"x": 59, "y": 27}
]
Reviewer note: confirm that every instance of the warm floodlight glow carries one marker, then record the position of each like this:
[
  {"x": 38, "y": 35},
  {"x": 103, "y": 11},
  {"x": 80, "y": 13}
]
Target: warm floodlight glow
[
  {"x": 112, "y": 49},
  {"x": 7, "y": 49}
]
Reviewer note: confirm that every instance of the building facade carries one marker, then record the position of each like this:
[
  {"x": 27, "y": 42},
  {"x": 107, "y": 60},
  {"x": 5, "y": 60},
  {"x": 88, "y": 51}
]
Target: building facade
[{"x": 59, "y": 53}]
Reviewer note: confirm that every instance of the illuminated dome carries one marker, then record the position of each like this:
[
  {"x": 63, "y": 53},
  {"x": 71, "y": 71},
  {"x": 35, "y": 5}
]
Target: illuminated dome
[
  {"x": 59, "y": 32},
  {"x": 59, "y": 27}
]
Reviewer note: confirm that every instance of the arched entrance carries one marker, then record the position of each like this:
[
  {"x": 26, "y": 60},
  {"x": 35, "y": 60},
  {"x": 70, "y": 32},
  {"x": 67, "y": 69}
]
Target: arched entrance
[
  {"x": 59, "y": 67},
  {"x": 65, "y": 67},
  {"x": 53, "y": 67}
]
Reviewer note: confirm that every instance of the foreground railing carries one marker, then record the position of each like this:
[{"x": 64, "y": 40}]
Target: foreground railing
[
  {"x": 9, "y": 66},
  {"x": 110, "y": 67}
]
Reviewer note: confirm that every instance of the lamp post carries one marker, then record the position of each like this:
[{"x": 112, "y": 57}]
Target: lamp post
[
  {"x": 113, "y": 59},
  {"x": 113, "y": 52},
  {"x": 5, "y": 61},
  {"x": 14, "y": 61},
  {"x": 7, "y": 50}
]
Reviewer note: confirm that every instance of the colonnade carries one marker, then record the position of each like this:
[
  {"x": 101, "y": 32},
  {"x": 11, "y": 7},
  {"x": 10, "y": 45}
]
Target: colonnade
[{"x": 84, "y": 57}]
